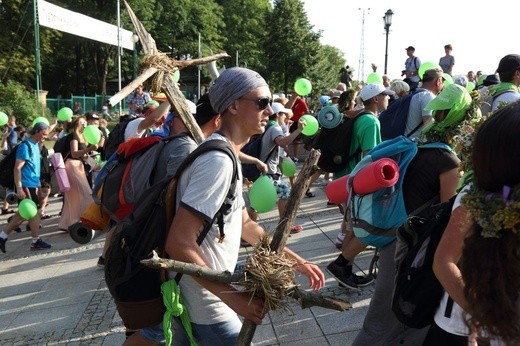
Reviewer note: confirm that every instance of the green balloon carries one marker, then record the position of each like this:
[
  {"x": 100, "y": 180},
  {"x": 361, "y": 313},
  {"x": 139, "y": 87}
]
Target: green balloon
[
  {"x": 470, "y": 86},
  {"x": 40, "y": 120},
  {"x": 302, "y": 86},
  {"x": 288, "y": 167},
  {"x": 27, "y": 209},
  {"x": 311, "y": 125},
  {"x": 3, "y": 118},
  {"x": 92, "y": 134},
  {"x": 448, "y": 79},
  {"x": 427, "y": 66},
  {"x": 262, "y": 194},
  {"x": 374, "y": 78},
  {"x": 65, "y": 114}
]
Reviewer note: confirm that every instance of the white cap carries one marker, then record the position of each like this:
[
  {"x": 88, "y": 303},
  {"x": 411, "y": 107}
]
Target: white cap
[
  {"x": 371, "y": 90},
  {"x": 278, "y": 107}
]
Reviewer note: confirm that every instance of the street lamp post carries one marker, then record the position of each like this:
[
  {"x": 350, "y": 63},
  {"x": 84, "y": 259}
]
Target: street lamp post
[
  {"x": 135, "y": 39},
  {"x": 388, "y": 22}
]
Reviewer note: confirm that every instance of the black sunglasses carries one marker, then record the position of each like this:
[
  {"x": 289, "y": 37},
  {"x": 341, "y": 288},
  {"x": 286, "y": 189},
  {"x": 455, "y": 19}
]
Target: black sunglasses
[{"x": 261, "y": 102}]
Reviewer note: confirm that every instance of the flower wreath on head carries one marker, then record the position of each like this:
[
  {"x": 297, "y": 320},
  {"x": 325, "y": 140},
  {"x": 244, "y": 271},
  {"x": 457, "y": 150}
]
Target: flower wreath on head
[{"x": 494, "y": 212}]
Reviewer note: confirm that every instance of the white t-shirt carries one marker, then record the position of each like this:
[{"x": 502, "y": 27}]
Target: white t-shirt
[
  {"x": 131, "y": 129},
  {"x": 416, "y": 113},
  {"x": 453, "y": 324},
  {"x": 202, "y": 189},
  {"x": 506, "y": 97}
]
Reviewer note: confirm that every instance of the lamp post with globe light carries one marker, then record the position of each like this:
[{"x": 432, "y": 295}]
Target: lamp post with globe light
[{"x": 388, "y": 22}]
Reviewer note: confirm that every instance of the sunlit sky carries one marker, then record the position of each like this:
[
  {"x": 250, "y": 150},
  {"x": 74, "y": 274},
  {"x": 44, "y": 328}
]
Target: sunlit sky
[{"x": 481, "y": 33}]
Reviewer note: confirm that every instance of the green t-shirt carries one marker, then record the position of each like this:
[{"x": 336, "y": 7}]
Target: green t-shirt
[{"x": 366, "y": 135}]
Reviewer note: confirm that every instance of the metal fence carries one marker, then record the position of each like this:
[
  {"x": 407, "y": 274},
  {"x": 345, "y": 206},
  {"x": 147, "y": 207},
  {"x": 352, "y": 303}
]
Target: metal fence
[{"x": 88, "y": 103}]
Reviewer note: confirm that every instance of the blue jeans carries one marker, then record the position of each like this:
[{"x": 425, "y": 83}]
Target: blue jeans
[{"x": 218, "y": 334}]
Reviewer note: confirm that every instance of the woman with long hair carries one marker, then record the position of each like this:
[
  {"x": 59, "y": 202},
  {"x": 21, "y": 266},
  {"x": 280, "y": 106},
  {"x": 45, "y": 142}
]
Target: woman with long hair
[
  {"x": 490, "y": 262},
  {"x": 80, "y": 194}
]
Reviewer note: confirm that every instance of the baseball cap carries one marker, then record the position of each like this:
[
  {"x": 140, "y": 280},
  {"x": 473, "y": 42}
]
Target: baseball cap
[
  {"x": 510, "y": 62},
  {"x": 371, "y": 90},
  {"x": 91, "y": 116},
  {"x": 451, "y": 96},
  {"x": 432, "y": 74},
  {"x": 278, "y": 107},
  {"x": 204, "y": 111},
  {"x": 410, "y": 48},
  {"x": 38, "y": 127},
  {"x": 335, "y": 94}
]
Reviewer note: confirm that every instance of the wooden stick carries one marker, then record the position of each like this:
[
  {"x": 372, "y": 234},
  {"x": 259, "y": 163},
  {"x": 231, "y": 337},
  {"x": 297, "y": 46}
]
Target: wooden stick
[
  {"x": 284, "y": 228},
  {"x": 121, "y": 94},
  {"x": 306, "y": 299},
  {"x": 146, "y": 40},
  {"x": 180, "y": 108}
]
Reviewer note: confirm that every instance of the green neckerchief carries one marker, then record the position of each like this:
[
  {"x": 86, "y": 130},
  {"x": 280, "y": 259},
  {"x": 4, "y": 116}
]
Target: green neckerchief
[
  {"x": 172, "y": 300},
  {"x": 502, "y": 87}
]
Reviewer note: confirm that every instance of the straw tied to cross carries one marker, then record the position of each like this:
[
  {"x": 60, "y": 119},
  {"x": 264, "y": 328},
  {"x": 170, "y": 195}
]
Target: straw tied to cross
[{"x": 267, "y": 273}]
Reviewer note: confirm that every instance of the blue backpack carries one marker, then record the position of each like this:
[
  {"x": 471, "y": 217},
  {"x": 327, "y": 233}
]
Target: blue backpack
[
  {"x": 393, "y": 119},
  {"x": 377, "y": 216}
]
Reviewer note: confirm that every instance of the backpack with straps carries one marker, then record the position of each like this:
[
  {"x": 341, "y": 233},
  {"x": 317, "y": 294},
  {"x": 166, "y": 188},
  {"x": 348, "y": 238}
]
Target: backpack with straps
[
  {"x": 135, "y": 288},
  {"x": 7, "y": 166},
  {"x": 335, "y": 145},
  {"x": 115, "y": 138},
  {"x": 377, "y": 216},
  {"x": 253, "y": 148},
  {"x": 393, "y": 119},
  {"x": 417, "y": 291},
  {"x": 127, "y": 175}
]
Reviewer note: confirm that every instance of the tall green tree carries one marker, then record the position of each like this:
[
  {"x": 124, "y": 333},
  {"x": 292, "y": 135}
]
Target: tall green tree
[
  {"x": 293, "y": 47},
  {"x": 324, "y": 74},
  {"x": 246, "y": 29},
  {"x": 17, "y": 62}
]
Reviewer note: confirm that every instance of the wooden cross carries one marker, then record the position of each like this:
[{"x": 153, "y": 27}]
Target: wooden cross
[{"x": 179, "y": 106}]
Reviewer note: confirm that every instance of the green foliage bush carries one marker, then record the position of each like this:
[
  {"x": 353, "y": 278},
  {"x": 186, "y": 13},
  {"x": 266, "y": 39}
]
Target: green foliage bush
[{"x": 17, "y": 100}]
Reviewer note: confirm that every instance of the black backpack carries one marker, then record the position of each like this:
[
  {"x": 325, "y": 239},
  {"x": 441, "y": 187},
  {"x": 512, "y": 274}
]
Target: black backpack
[
  {"x": 62, "y": 145},
  {"x": 393, "y": 119},
  {"x": 135, "y": 288},
  {"x": 115, "y": 137},
  {"x": 417, "y": 292},
  {"x": 334, "y": 145},
  {"x": 253, "y": 148},
  {"x": 7, "y": 167}
]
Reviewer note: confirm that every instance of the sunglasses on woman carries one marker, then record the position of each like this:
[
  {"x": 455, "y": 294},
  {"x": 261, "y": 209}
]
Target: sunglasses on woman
[{"x": 261, "y": 102}]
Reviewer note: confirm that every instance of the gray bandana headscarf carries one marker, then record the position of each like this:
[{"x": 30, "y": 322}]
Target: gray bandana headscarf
[{"x": 231, "y": 85}]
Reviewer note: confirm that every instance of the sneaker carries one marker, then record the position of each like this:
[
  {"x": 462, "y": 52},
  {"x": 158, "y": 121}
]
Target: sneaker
[
  {"x": 2, "y": 244},
  {"x": 361, "y": 280},
  {"x": 40, "y": 245},
  {"x": 101, "y": 262},
  {"x": 342, "y": 275}
]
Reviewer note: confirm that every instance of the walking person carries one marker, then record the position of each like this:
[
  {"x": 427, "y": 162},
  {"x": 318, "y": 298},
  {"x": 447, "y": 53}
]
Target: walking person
[
  {"x": 241, "y": 97},
  {"x": 27, "y": 183},
  {"x": 79, "y": 196}
]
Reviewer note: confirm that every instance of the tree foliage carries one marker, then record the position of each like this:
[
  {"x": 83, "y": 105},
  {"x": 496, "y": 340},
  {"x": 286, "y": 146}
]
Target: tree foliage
[
  {"x": 16, "y": 99},
  {"x": 273, "y": 37}
]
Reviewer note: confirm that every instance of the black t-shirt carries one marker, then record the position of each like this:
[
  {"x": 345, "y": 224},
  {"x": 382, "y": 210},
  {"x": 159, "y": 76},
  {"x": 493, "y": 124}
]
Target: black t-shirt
[{"x": 422, "y": 183}]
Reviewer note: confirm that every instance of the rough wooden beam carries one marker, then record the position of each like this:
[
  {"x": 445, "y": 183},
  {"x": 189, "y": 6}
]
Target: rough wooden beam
[
  {"x": 121, "y": 94},
  {"x": 180, "y": 108},
  {"x": 284, "y": 227}
]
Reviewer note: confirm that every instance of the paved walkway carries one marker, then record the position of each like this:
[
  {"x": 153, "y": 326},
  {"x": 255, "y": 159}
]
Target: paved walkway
[{"x": 59, "y": 297}]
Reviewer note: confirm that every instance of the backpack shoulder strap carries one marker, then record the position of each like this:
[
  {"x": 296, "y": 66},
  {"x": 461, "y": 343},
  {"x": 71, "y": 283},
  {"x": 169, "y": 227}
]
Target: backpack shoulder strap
[{"x": 228, "y": 201}]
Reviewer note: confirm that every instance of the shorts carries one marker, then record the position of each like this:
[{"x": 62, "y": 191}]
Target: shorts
[
  {"x": 283, "y": 190},
  {"x": 32, "y": 193},
  {"x": 223, "y": 333}
]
